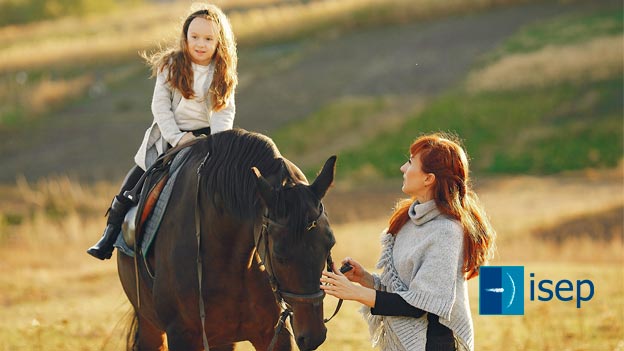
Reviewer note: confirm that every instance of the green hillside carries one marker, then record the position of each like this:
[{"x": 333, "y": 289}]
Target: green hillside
[
  {"x": 570, "y": 120},
  {"x": 536, "y": 131}
]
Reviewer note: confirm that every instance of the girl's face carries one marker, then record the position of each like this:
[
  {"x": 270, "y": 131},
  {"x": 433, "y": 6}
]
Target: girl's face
[
  {"x": 417, "y": 183},
  {"x": 202, "y": 39}
]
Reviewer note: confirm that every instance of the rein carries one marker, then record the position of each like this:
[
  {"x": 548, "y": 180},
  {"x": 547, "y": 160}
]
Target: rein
[
  {"x": 200, "y": 267},
  {"x": 284, "y": 298}
]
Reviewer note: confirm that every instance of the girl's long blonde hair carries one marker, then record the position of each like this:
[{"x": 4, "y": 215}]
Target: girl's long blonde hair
[
  {"x": 443, "y": 156},
  {"x": 178, "y": 60}
]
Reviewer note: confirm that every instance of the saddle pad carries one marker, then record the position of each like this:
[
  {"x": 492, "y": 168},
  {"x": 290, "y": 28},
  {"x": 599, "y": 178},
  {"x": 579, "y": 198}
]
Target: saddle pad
[{"x": 153, "y": 222}]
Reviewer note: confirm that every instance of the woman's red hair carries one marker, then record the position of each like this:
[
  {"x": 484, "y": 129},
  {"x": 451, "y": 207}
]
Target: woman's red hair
[{"x": 443, "y": 156}]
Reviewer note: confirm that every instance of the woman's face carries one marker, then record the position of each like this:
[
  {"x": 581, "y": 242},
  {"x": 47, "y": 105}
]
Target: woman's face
[
  {"x": 417, "y": 183},
  {"x": 202, "y": 39}
]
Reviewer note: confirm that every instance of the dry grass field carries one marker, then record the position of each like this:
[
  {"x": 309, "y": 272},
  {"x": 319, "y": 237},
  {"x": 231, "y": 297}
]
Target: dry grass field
[
  {"x": 598, "y": 59},
  {"x": 55, "y": 297}
]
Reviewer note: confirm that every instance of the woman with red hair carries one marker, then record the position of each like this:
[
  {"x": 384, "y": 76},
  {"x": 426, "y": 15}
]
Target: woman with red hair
[{"x": 436, "y": 241}]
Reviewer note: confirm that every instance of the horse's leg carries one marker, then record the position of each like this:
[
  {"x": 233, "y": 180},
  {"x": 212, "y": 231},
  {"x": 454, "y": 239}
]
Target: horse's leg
[
  {"x": 150, "y": 337},
  {"x": 180, "y": 338},
  {"x": 188, "y": 342},
  {"x": 146, "y": 336}
]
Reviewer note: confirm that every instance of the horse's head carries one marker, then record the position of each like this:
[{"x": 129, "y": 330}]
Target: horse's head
[{"x": 296, "y": 243}]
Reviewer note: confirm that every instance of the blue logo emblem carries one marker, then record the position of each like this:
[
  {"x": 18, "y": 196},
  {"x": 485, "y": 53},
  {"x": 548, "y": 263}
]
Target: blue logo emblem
[{"x": 501, "y": 290}]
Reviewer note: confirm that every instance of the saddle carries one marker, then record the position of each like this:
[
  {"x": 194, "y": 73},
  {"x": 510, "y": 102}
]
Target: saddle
[{"x": 136, "y": 233}]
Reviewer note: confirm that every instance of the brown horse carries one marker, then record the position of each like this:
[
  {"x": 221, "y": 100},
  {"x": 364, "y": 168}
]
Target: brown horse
[{"x": 244, "y": 215}]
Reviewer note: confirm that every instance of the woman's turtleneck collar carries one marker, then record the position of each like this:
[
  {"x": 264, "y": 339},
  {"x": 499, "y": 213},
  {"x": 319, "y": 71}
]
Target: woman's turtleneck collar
[{"x": 423, "y": 213}]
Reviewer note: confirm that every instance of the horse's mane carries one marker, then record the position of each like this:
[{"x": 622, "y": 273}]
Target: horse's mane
[
  {"x": 231, "y": 184},
  {"x": 228, "y": 178}
]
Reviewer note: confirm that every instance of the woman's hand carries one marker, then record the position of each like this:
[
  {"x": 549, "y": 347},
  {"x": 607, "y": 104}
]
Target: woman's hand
[
  {"x": 358, "y": 274},
  {"x": 339, "y": 286}
]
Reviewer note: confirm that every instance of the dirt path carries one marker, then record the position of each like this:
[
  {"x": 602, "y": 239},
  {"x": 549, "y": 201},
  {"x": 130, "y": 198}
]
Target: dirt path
[{"x": 96, "y": 139}]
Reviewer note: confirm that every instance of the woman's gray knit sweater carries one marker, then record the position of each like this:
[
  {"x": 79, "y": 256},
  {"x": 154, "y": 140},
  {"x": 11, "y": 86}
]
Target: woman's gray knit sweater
[{"x": 423, "y": 264}]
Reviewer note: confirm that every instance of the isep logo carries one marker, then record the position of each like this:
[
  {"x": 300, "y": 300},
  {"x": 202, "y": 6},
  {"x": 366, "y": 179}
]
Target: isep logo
[{"x": 501, "y": 290}]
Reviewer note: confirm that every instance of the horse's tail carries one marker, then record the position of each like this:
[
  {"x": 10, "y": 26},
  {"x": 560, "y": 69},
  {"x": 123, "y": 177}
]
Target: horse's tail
[{"x": 132, "y": 331}]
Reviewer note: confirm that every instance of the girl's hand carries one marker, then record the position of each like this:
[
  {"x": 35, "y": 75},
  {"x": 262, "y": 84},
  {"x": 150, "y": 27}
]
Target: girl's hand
[
  {"x": 358, "y": 274},
  {"x": 339, "y": 286},
  {"x": 188, "y": 136}
]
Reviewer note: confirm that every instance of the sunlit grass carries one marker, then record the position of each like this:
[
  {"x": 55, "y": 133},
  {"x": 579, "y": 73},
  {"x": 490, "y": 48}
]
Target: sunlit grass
[
  {"x": 123, "y": 33},
  {"x": 598, "y": 59},
  {"x": 566, "y": 30},
  {"x": 55, "y": 297}
]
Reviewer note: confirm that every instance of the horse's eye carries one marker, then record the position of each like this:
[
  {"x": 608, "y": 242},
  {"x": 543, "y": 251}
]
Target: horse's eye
[
  {"x": 281, "y": 259},
  {"x": 279, "y": 253}
]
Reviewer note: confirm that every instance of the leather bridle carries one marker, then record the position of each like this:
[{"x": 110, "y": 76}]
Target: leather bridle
[
  {"x": 284, "y": 298},
  {"x": 262, "y": 247}
]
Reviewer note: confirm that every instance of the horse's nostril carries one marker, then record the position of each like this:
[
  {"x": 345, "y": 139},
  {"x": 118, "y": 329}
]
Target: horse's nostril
[{"x": 301, "y": 342}]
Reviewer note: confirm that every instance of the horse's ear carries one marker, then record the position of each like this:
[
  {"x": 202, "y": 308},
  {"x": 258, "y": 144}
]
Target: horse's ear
[
  {"x": 265, "y": 189},
  {"x": 325, "y": 178}
]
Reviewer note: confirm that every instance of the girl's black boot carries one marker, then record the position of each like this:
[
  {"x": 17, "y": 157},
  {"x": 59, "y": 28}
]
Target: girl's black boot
[{"x": 103, "y": 249}]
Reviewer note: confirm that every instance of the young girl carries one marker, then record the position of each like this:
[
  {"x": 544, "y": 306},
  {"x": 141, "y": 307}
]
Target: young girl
[
  {"x": 435, "y": 242},
  {"x": 194, "y": 94}
]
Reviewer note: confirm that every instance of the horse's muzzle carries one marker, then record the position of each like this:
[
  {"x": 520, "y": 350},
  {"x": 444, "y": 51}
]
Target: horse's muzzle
[
  {"x": 308, "y": 341},
  {"x": 308, "y": 326}
]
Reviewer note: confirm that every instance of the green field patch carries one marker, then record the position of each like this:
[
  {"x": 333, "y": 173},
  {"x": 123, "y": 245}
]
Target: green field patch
[
  {"x": 566, "y": 126},
  {"x": 328, "y": 124},
  {"x": 537, "y": 131},
  {"x": 564, "y": 30},
  {"x": 35, "y": 96}
]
